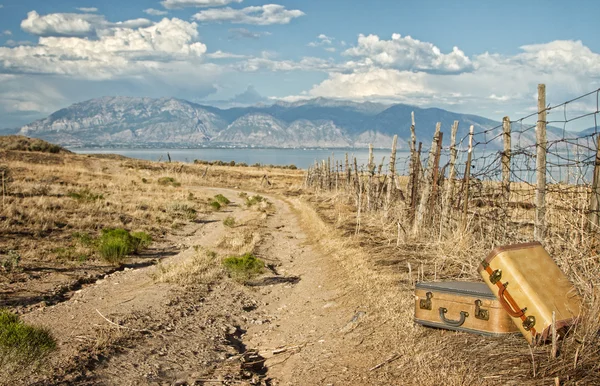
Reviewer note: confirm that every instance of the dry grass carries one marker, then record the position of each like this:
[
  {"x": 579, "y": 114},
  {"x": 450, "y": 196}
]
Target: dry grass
[
  {"x": 385, "y": 258},
  {"x": 203, "y": 268},
  {"x": 53, "y": 199}
]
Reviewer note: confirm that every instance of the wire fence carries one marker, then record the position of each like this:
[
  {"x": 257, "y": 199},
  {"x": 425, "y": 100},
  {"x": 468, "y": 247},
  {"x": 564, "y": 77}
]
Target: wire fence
[{"x": 502, "y": 196}]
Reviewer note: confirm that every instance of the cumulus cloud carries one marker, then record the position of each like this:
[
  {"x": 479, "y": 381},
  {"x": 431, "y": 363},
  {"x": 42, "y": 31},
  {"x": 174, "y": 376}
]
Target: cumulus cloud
[
  {"x": 73, "y": 24},
  {"x": 6, "y": 33},
  {"x": 260, "y": 15},
  {"x": 172, "y": 4},
  {"x": 244, "y": 33},
  {"x": 85, "y": 9},
  {"x": 117, "y": 51},
  {"x": 323, "y": 40},
  {"x": 404, "y": 53},
  {"x": 155, "y": 12},
  {"x": 569, "y": 68}
]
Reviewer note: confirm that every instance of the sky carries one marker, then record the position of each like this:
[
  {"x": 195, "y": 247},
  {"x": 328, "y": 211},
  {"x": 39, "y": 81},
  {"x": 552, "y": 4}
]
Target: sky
[{"x": 478, "y": 57}]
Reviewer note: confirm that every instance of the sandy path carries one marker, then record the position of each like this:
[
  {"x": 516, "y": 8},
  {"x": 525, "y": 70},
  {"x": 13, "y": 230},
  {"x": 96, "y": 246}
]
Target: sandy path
[{"x": 298, "y": 317}]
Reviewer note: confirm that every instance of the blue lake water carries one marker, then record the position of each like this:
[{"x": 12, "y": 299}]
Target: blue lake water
[{"x": 302, "y": 158}]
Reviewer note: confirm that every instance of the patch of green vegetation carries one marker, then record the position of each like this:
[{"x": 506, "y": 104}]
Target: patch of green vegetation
[
  {"x": 85, "y": 195},
  {"x": 115, "y": 244},
  {"x": 229, "y": 221},
  {"x": 221, "y": 199},
  {"x": 215, "y": 205},
  {"x": 253, "y": 200},
  {"x": 242, "y": 195},
  {"x": 141, "y": 241},
  {"x": 243, "y": 267},
  {"x": 144, "y": 180},
  {"x": 22, "y": 344},
  {"x": 166, "y": 181}
]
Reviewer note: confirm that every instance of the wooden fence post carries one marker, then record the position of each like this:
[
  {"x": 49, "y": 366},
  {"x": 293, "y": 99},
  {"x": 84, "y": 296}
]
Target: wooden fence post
[
  {"x": 539, "y": 231},
  {"x": 392, "y": 173},
  {"x": 420, "y": 217},
  {"x": 451, "y": 176},
  {"x": 413, "y": 155},
  {"x": 506, "y": 155},
  {"x": 348, "y": 171},
  {"x": 414, "y": 178},
  {"x": 594, "y": 216},
  {"x": 436, "y": 175},
  {"x": 371, "y": 171},
  {"x": 467, "y": 180}
]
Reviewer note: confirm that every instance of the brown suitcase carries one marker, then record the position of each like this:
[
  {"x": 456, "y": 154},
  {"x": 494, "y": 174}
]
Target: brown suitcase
[
  {"x": 530, "y": 286},
  {"x": 461, "y": 306}
]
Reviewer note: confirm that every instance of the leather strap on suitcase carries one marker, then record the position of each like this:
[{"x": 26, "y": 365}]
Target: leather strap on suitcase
[{"x": 507, "y": 301}]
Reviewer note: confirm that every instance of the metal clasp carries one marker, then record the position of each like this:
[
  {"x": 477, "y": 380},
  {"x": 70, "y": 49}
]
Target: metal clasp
[
  {"x": 481, "y": 313},
  {"x": 425, "y": 304},
  {"x": 495, "y": 276},
  {"x": 529, "y": 322}
]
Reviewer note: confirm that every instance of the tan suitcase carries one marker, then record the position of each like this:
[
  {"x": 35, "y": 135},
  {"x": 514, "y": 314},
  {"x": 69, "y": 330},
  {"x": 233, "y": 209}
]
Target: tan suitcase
[
  {"x": 461, "y": 306},
  {"x": 530, "y": 286}
]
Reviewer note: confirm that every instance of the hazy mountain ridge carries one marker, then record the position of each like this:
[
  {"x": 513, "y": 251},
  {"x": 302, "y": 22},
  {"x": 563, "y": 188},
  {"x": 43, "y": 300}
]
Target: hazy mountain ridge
[{"x": 148, "y": 122}]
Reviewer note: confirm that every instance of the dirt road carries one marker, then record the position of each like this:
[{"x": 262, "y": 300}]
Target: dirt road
[{"x": 293, "y": 325}]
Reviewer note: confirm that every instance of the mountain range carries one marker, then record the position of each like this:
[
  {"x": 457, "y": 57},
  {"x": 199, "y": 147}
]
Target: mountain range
[{"x": 316, "y": 123}]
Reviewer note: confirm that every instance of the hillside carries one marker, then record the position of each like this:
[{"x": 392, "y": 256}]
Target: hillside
[{"x": 169, "y": 122}]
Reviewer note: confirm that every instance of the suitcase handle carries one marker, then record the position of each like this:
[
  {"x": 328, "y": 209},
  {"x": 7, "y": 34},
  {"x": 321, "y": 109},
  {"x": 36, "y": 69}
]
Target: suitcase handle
[
  {"x": 507, "y": 304},
  {"x": 453, "y": 323}
]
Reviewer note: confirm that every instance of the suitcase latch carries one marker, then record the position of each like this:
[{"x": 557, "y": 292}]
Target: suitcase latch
[
  {"x": 481, "y": 313},
  {"x": 425, "y": 304},
  {"x": 529, "y": 322},
  {"x": 495, "y": 276}
]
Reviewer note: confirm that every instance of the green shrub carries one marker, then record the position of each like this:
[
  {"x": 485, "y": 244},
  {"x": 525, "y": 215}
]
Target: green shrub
[
  {"x": 141, "y": 240},
  {"x": 85, "y": 195},
  {"x": 254, "y": 200},
  {"x": 166, "y": 181},
  {"x": 222, "y": 199},
  {"x": 215, "y": 205},
  {"x": 243, "y": 267},
  {"x": 23, "y": 344},
  {"x": 115, "y": 244},
  {"x": 229, "y": 221}
]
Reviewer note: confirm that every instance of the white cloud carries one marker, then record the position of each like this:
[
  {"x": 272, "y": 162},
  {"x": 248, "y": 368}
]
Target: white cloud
[
  {"x": 403, "y": 53},
  {"x": 330, "y": 49},
  {"x": 323, "y": 40},
  {"x": 117, "y": 51},
  {"x": 85, "y": 9},
  {"x": 567, "y": 67},
  {"x": 240, "y": 33},
  {"x": 172, "y": 4},
  {"x": 155, "y": 12},
  {"x": 259, "y": 15},
  {"x": 73, "y": 24},
  {"x": 224, "y": 55},
  {"x": 1, "y": 5},
  {"x": 6, "y": 33}
]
